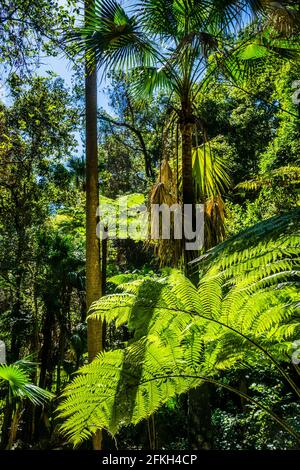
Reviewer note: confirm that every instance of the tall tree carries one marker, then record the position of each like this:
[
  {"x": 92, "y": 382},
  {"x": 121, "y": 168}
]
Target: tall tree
[
  {"x": 93, "y": 266},
  {"x": 29, "y": 154}
]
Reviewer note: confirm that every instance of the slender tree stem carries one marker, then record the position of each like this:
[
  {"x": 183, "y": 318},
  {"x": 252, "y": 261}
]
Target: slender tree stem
[{"x": 93, "y": 263}]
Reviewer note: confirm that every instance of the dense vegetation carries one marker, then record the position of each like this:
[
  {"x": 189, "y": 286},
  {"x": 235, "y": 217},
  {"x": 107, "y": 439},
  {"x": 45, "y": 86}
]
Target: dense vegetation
[{"x": 141, "y": 343}]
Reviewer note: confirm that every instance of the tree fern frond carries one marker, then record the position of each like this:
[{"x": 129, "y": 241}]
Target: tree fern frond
[{"x": 245, "y": 311}]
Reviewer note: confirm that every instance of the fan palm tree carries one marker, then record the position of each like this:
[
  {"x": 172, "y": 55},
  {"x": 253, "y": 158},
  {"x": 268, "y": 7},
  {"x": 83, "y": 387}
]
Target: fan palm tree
[
  {"x": 18, "y": 387},
  {"x": 178, "y": 45}
]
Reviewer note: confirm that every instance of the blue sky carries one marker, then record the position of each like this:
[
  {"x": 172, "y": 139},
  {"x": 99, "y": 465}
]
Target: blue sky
[{"x": 63, "y": 67}]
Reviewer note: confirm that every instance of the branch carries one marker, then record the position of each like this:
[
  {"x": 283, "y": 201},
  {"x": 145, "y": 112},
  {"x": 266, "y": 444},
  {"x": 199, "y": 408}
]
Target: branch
[{"x": 137, "y": 132}]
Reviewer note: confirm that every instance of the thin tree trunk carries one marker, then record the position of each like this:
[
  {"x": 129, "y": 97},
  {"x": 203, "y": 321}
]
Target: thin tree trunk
[
  {"x": 16, "y": 316},
  {"x": 35, "y": 343},
  {"x": 93, "y": 266},
  {"x": 104, "y": 277},
  {"x": 14, "y": 427},
  {"x": 29, "y": 413},
  {"x": 5, "y": 429},
  {"x": 104, "y": 263},
  {"x": 199, "y": 417},
  {"x": 151, "y": 428},
  {"x": 46, "y": 356}
]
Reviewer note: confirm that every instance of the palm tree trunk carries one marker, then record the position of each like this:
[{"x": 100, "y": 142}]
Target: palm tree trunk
[
  {"x": 187, "y": 167},
  {"x": 93, "y": 267},
  {"x": 188, "y": 195}
]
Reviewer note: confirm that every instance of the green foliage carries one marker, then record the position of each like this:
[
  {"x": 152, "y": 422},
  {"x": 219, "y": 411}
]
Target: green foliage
[
  {"x": 28, "y": 28},
  {"x": 249, "y": 56},
  {"x": 210, "y": 169},
  {"x": 129, "y": 137},
  {"x": 244, "y": 311},
  {"x": 20, "y": 386},
  {"x": 283, "y": 176},
  {"x": 245, "y": 427},
  {"x": 195, "y": 37},
  {"x": 36, "y": 135}
]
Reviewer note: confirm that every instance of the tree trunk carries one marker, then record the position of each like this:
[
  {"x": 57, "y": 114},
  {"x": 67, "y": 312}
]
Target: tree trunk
[
  {"x": 104, "y": 262},
  {"x": 14, "y": 427},
  {"x": 5, "y": 428},
  {"x": 93, "y": 267},
  {"x": 199, "y": 398},
  {"x": 188, "y": 193},
  {"x": 199, "y": 417},
  {"x": 187, "y": 166},
  {"x": 16, "y": 316},
  {"x": 46, "y": 356}
]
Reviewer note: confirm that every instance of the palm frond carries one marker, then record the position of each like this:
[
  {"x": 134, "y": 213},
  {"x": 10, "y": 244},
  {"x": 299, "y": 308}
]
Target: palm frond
[
  {"x": 211, "y": 172},
  {"x": 20, "y": 386},
  {"x": 112, "y": 38},
  {"x": 148, "y": 80},
  {"x": 241, "y": 62}
]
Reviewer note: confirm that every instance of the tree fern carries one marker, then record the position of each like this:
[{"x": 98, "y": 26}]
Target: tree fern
[
  {"x": 283, "y": 176},
  {"x": 244, "y": 312}
]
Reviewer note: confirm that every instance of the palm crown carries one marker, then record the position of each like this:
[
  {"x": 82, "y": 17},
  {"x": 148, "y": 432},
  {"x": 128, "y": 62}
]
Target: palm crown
[
  {"x": 171, "y": 43},
  {"x": 178, "y": 46}
]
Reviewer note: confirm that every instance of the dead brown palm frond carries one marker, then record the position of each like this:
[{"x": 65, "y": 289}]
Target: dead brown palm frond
[
  {"x": 160, "y": 194},
  {"x": 169, "y": 251},
  {"x": 214, "y": 228},
  {"x": 283, "y": 19},
  {"x": 212, "y": 176},
  {"x": 166, "y": 173}
]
